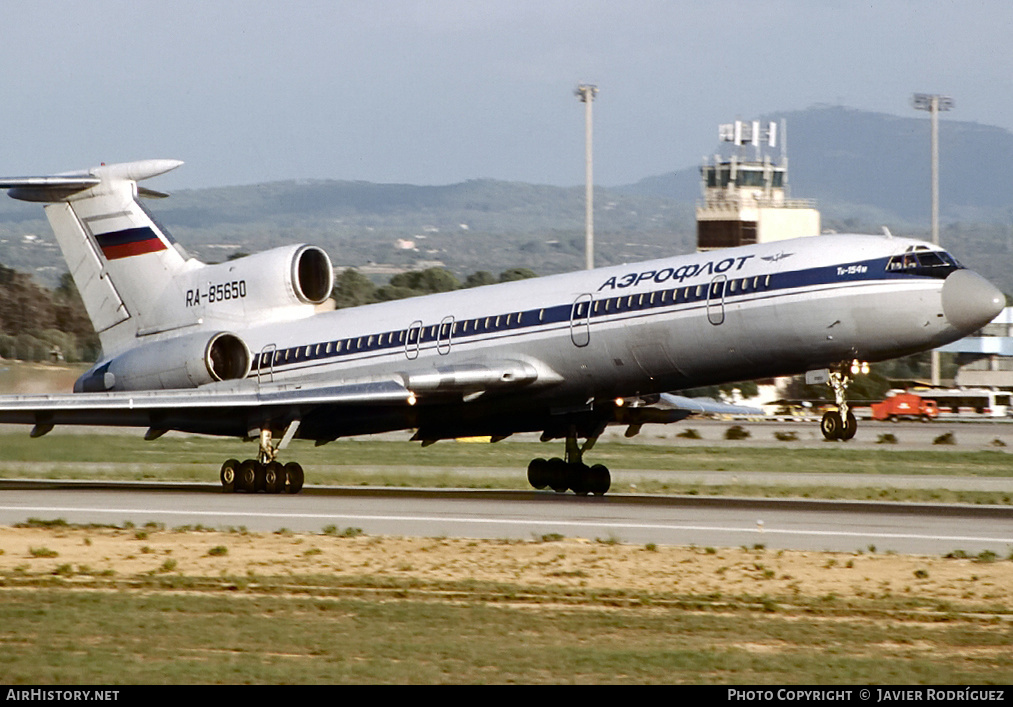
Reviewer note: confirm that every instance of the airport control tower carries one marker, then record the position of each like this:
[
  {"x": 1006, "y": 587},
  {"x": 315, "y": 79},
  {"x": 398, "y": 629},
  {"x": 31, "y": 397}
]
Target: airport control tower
[{"x": 745, "y": 196}]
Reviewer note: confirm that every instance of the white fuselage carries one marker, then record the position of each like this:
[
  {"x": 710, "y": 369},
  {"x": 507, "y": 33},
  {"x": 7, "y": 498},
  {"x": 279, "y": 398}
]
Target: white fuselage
[
  {"x": 678, "y": 322},
  {"x": 682, "y": 321}
]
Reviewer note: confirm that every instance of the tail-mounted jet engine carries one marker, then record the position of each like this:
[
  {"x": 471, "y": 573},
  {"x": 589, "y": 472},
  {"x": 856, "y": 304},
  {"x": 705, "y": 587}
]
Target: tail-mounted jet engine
[
  {"x": 261, "y": 285},
  {"x": 181, "y": 362}
]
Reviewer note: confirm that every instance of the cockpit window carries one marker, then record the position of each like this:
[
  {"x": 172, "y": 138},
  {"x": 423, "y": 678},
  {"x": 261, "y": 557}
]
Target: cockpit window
[
  {"x": 931, "y": 260},
  {"x": 923, "y": 262}
]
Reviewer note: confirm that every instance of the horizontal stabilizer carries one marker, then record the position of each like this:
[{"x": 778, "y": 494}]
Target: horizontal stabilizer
[
  {"x": 59, "y": 187},
  {"x": 69, "y": 182},
  {"x": 151, "y": 193},
  {"x": 47, "y": 189}
]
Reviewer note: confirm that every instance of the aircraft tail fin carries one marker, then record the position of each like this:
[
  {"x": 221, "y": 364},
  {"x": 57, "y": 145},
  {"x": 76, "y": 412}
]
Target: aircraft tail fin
[{"x": 122, "y": 261}]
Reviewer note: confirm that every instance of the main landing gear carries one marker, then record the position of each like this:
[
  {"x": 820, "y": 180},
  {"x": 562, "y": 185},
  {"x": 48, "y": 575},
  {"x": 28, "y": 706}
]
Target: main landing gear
[
  {"x": 570, "y": 473},
  {"x": 264, "y": 473},
  {"x": 841, "y": 424}
]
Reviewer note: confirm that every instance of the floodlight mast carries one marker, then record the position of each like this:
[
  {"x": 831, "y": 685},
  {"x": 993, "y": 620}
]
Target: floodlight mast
[
  {"x": 586, "y": 93},
  {"x": 934, "y": 103}
]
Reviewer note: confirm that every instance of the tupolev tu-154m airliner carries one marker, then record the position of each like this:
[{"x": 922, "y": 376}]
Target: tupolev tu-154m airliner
[{"x": 243, "y": 348}]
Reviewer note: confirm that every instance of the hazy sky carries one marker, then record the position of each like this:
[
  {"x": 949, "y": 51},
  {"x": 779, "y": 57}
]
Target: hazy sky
[{"x": 439, "y": 91}]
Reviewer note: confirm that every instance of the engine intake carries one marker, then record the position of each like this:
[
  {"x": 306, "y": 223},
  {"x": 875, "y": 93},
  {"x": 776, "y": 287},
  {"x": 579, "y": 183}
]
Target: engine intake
[
  {"x": 227, "y": 357},
  {"x": 312, "y": 275}
]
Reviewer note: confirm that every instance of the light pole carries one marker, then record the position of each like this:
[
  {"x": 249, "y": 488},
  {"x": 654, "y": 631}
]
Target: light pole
[
  {"x": 934, "y": 103},
  {"x": 586, "y": 93}
]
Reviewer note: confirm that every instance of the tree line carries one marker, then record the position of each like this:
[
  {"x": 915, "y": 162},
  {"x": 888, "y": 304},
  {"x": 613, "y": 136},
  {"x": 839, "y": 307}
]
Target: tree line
[
  {"x": 40, "y": 324},
  {"x": 352, "y": 288}
]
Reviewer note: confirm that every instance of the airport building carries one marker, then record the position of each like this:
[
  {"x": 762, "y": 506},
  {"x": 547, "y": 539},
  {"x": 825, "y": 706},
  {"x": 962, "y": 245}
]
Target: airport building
[
  {"x": 745, "y": 197},
  {"x": 985, "y": 360}
]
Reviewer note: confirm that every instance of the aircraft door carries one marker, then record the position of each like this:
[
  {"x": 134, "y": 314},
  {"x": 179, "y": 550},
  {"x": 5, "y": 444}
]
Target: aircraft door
[
  {"x": 580, "y": 320},
  {"x": 411, "y": 342},
  {"x": 716, "y": 300},
  {"x": 265, "y": 364},
  {"x": 444, "y": 335}
]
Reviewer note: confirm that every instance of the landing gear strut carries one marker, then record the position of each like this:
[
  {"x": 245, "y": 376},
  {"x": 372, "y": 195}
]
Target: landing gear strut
[
  {"x": 840, "y": 424},
  {"x": 264, "y": 473},
  {"x": 571, "y": 473}
]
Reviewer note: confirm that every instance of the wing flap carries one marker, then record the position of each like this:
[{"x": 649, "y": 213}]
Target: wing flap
[{"x": 704, "y": 406}]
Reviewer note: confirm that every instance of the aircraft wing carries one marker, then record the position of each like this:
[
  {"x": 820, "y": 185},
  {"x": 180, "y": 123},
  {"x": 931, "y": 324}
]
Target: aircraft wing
[
  {"x": 235, "y": 410},
  {"x": 229, "y": 412}
]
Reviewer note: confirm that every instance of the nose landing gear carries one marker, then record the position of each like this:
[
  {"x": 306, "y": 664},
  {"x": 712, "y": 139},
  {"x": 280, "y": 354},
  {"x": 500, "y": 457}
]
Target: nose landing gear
[{"x": 841, "y": 424}]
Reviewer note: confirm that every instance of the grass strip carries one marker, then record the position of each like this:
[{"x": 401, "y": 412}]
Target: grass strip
[
  {"x": 59, "y": 635},
  {"x": 396, "y": 463},
  {"x": 181, "y": 452}
]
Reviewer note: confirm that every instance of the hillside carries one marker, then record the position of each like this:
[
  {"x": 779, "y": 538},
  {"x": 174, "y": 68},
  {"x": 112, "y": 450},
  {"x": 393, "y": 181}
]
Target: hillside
[{"x": 852, "y": 159}]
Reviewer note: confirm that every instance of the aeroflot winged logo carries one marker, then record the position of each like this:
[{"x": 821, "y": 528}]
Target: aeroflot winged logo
[{"x": 128, "y": 242}]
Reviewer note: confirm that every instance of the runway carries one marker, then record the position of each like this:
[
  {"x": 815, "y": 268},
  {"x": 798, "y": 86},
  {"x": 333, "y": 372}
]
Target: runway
[{"x": 703, "y": 521}]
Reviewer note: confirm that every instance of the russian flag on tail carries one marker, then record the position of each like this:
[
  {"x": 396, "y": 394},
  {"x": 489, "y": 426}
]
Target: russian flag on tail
[{"x": 128, "y": 242}]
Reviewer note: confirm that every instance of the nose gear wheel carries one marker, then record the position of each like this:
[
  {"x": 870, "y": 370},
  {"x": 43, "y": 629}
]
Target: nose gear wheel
[
  {"x": 836, "y": 428},
  {"x": 841, "y": 424}
]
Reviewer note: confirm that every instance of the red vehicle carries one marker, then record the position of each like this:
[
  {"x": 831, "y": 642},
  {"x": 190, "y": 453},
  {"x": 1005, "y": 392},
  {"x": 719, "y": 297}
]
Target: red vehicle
[{"x": 905, "y": 406}]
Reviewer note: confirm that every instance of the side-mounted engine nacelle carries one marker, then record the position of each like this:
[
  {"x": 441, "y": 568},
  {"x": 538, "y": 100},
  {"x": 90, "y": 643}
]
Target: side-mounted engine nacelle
[
  {"x": 256, "y": 285},
  {"x": 181, "y": 362}
]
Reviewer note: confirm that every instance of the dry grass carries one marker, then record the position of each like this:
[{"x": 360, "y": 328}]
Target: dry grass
[{"x": 584, "y": 564}]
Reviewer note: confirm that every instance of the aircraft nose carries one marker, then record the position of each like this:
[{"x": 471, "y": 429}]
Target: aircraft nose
[{"x": 970, "y": 301}]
